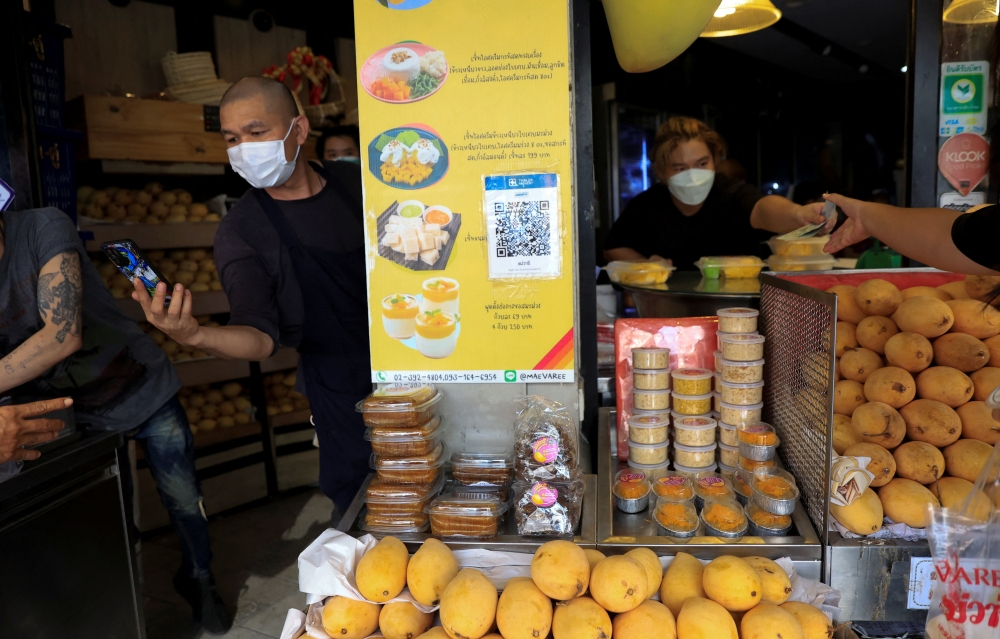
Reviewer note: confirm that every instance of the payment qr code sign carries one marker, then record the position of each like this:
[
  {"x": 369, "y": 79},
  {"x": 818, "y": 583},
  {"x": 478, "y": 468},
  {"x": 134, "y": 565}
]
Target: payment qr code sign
[{"x": 522, "y": 225}]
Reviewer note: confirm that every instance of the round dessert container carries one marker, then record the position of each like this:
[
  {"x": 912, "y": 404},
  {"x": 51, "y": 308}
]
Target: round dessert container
[
  {"x": 741, "y": 485},
  {"x": 716, "y": 402},
  {"x": 649, "y": 429},
  {"x": 718, "y": 361},
  {"x": 691, "y": 472},
  {"x": 693, "y": 404},
  {"x": 651, "y": 358},
  {"x": 651, "y": 399},
  {"x": 692, "y": 381},
  {"x": 739, "y": 415},
  {"x": 758, "y": 442},
  {"x": 631, "y": 490},
  {"x": 741, "y": 394},
  {"x": 710, "y": 484},
  {"x": 742, "y": 347},
  {"x": 650, "y": 454},
  {"x": 729, "y": 472},
  {"x": 752, "y": 464},
  {"x": 651, "y": 471},
  {"x": 727, "y": 434},
  {"x": 729, "y": 455},
  {"x": 742, "y": 372},
  {"x": 765, "y": 524},
  {"x": 738, "y": 320},
  {"x": 774, "y": 490},
  {"x": 700, "y": 457},
  {"x": 724, "y": 517},
  {"x": 650, "y": 379},
  {"x": 694, "y": 431},
  {"x": 675, "y": 518},
  {"x": 720, "y": 334},
  {"x": 673, "y": 486}
]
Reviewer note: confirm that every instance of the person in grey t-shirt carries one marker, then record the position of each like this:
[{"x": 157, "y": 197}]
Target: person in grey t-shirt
[{"x": 62, "y": 334}]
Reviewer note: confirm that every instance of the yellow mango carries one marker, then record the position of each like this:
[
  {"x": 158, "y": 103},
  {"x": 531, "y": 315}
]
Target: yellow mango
[
  {"x": 651, "y": 620},
  {"x": 347, "y": 618},
  {"x": 437, "y": 632},
  {"x": 651, "y": 563},
  {"x": 594, "y": 556},
  {"x": 619, "y": 583},
  {"x": 733, "y": 583},
  {"x": 468, "y": 605},
  {"x": 681, "y": 582},
  {"x": 863, "y": 516},
  {"x": 560, "y": 569},
  {"x": 815, "y": 624},
  {"x": 381, "y": 573},
  {"x": 774, "y": 579},
  {"x": 580, "y": 618},
  {"x": 524, "y": 612},
  {"x": 768, "y": 621},
  {"x": 430, "y": 570},
  {"x": 704, "y": 619},
  {"x": 402, "y": 620}
]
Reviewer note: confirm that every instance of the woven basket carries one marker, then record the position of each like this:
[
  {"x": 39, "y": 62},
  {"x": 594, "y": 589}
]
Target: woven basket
[
  {"x": 208, "y": 92},
  {"x": 187, "y": 68}
]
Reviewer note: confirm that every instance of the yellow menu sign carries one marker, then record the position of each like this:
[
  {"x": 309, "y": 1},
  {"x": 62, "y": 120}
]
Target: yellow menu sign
[{"x": 466, "y": 135}]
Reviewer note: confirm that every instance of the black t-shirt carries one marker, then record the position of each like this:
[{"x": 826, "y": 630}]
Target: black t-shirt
[
  {"x": 975, "y": 234},
  {"x": 255, "y": 267},
  {"x": 652, "y": 225}
]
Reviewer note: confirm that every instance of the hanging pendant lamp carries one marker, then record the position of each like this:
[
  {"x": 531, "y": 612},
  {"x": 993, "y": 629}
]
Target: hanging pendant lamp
[
  {"x": 971, "y": 11},
  {"x": 647, "y": 34},
  {"x": 736, "y": 17}
]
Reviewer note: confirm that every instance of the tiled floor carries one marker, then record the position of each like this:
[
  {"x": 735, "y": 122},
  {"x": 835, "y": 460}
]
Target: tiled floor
[{"x": 255, "y": 568}]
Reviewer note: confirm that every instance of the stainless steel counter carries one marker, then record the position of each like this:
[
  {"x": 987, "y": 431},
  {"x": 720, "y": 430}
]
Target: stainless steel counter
[{"x": 509, "y": 541}]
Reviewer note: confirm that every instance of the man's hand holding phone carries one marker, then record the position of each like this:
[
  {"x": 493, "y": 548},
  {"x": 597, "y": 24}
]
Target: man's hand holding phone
[{"x": 175, "y": 318}]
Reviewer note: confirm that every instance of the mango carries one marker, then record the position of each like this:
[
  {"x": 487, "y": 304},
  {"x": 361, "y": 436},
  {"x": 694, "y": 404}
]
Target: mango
[
  {"x": 978, "y": 423},
  {"x": 981, "y": 287},
  {"x": 878, "y": 297},
  {"x": 381, "y": 573},
  {"x": 961, "y": 351},
  {"x": 874, "y": 331},
  {"x": 651, "y": 620},
  {"x": 985, "y": 381},
  {"x": 594, "y": 556},
  {"x": 682, "y": 580},
  {"x": 847, "y": 337},
  {"x": 702, "y": 618},
  {"x": 926, "y": 316},
  {"x": 732, "y": 583},
  {"x": 619, "y": 583},
  {"x": 848, "y": 395},
  {"x": 815, "y": 624},
  {"x": 402, "y": 620},
  {"x": 524, "y": 612},
  {"x": 952, "y": 492},
  {"x": 654, "y": 571},
  {"x": 891, "y": 385},
  {"x": 975, "y": 318},
  {"x": 905, "y": 502},
  {"x": 925, "y": 291},
  {"x": 430, "y": 570},
  {"x": 768, "y": 621},
  {"x": 909, "y": 351},
  {"x": 560, "y": 569},
  {"x": 848, "y": 309},
  {"x": 843, "y": 434},
  {"x": 350, "y": 618},
  {"x": 993, "y": 343},
  {"x": 775, "y": 581},
  {"x": 945, "y": 384},
  {"x": 882, "y": 463},
  {"x": 863, "y": 516},
  {"x": 468, "y": 605},
  {"x": 966, "y": 458},
  {"x": 920, "y": 462},
  {"x": 879, "y": 423},
  {"x": 580, "y": 618},
  {"x": 859, "y": 363},
  {"x": 955, "y": 289},
  {"x": 930, "y": 421},
  {"x": 437, "y": 632}
]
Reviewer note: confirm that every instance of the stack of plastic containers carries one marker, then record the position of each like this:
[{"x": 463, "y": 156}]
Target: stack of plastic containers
[
  {"x": 649, "y": 421},
  {"x": 694, "y": 428},
  {"x": 405, "y": 431},
  {"x": 739, "y": 364},
  {"x": 768, "y": 493}
]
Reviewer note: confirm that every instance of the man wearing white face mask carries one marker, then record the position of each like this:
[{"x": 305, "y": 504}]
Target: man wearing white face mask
[
  {"x": 291, "y": 258},
  {"x": 695, "y": 211}
]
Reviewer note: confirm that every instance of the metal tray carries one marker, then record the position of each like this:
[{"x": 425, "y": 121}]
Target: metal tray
[
  {"x": 509, "y": 541},
  {"x": 619, "y": 532}
]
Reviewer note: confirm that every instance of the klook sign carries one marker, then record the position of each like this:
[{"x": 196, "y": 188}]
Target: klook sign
[{"x": 964, "y": 161}]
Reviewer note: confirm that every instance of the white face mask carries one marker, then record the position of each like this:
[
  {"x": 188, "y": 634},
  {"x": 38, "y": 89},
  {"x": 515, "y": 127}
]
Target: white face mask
[
  {"x": 692, "y": 186},
  {"x": 263, "y": 164}
]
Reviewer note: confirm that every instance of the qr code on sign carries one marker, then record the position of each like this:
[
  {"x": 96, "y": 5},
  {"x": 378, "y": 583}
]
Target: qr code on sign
[{"x": 522, "y": 229}]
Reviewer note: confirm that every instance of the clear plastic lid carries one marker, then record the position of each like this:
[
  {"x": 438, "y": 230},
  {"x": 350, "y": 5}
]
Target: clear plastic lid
[
  {"x": 758, "y": 362},
  {"x": 694, "y": 423},
  {"x": 400, "y": 398},
  {"x": 395, "y": 524},
  {"x": 651, "y": 371},
  {"x": 649, "y": 272},
  {"x": 729, "y": 260},
  {"x": 683, "y": 517},
  {"x": 804, "y": 263},
  {"x": 467, "y": 504},
  {"x": 726, "y": 426},
  {"x": 650, "y": 349},
  {"x": 721, "y": 334},
  {"x": 711, "y": 483},
  {"x": 777, "y": 243},
  {"x": 379, "y": 492},
  {"x": 461, "y": 459},
  {"x": 758, "y": 434},
  {"x": 691, "y": 472},
  {"x": 737, "y": 312},
  {"x": 652, "y": 392},
  {"x": 673, "y": 485},
  {"x": 649, "y": 421},
  {"x": 695, "y": 449},
  {"x": 732, "y": 449},
  {"x": 742, "y": 338},
  {"x": 727, "y": 470},
  {"x": 638, "y": 412},
  {"x": 724, "y": 513},
  {"x": 751, "y": 385},
  {"x": 633, "y": 444},
  {"x": 717, "y": 416},
  {"x": 758, "y": 406},
  {"x": 428, "y": 431},
  {"x": 677, "y": 416},
  {"x": 692, "y": 374},
  {"x": 763, "y": 476},
  {"x": 693, "y": 398},
  {"x": 651, "y": 471},
  {"x": 433, "y": 459},
  {"x": 631, "y": 484}
]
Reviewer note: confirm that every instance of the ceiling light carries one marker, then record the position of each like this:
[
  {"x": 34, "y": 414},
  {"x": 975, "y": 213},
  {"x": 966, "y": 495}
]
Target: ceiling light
[
  {"x": 736, "y": 17},
  {"x": 774, "y": 185},
  {"x": 904, "y": 68},
  {"x": 971, "y": 11}
]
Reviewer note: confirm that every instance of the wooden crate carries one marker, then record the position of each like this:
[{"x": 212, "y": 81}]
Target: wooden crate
[
  {"x": 146, "y": 130},
  {"x": 162, "y": 236}
]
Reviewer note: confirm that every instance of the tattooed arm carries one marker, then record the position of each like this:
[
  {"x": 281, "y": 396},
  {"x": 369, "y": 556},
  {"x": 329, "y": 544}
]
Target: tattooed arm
[{"x": 60, "y": 305}]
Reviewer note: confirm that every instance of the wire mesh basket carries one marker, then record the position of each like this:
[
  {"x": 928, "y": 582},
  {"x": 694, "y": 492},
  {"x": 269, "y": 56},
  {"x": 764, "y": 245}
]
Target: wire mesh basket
[{"x": 799, "y": 322}]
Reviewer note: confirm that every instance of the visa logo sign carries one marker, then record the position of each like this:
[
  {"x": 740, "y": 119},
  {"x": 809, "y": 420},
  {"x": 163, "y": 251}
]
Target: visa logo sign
[{"x": 953, "y": 121}]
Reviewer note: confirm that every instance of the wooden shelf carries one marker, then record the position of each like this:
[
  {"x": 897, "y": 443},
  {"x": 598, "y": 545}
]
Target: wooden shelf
[
  {"x": 210, "y": 371},
  {"x": 163, "y": 236},
  {"x": 219, "y": 435},
  {"x": 284, "y": 359},
  {"x": 287, "y": 419},
  {"x": 207, "y": 303},
  {"x": 145, "y": 130}
]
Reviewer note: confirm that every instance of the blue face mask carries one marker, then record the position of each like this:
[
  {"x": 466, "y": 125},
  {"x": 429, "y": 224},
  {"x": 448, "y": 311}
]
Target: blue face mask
[{"x": 349, "y": 158}]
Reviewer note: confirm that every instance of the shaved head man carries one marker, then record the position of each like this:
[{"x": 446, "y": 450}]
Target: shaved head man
[{"x": 291, "y": 258}]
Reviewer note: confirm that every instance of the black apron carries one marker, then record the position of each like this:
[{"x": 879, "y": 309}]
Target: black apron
[{"x": 334, "y": 351}]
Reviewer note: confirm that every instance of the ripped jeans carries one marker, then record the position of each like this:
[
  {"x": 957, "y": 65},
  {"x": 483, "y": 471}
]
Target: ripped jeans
[{"x": 168, "y": 447}]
